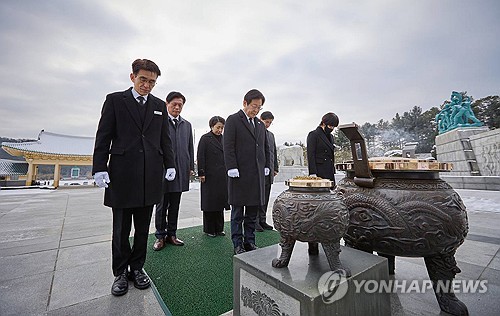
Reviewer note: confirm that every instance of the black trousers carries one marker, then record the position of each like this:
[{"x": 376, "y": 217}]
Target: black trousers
[
  {"x": 213, "y": 222},
  {"x": 261, "y": 217},
  {"x": 167, "y": 214},
  {"x": 243, "y": 219},
  {"x": 122, "y": 254}
]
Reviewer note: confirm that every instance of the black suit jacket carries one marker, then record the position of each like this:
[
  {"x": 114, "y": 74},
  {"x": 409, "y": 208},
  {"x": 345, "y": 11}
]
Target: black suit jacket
[
  {"x": 320, "y": 154},
  {"x": 247, "y": 151},
  {"x": 133, "y": 153}
]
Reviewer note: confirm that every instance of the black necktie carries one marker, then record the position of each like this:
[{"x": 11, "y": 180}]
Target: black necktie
[
  {"x": 176, "y": 121},
  {"x": 140, "y": 99},
  {"x": 251, "y": 124}
]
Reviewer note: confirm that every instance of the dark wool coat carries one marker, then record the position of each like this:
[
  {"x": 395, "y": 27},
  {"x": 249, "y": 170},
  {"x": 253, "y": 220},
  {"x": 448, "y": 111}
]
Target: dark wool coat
[
  {"x": 247, "y": 151},
  {"x": 211, "y": 165},
  {"x": 273, "y": 155},
  {"x": 137, "y": 152},
  {"x": 182, "y": 141},
  {"x": 320, "y": 154}
]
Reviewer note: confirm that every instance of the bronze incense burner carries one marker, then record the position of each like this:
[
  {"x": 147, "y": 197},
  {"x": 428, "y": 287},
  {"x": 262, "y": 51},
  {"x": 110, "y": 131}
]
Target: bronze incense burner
[
  {"x": 400, "y": 207},
  {"x": 308, "y": 211}
]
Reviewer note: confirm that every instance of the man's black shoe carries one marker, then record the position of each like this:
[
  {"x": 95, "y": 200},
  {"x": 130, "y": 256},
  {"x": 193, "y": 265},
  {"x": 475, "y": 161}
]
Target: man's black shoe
[
  {"x": 141, "y": 280},
  {"x": 250, "y": 247},
  {"x": 238, "y": 250},
  {"x": 266, "y": 226},
  {"x": 120, "y": 285},
  {"x": 258, "y": 228}
]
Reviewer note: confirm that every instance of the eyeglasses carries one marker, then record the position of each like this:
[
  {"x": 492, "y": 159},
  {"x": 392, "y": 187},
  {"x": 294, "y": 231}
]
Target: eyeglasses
[
  {"x": 256, "y": 107},
  {"x": 145, "y": 80}
]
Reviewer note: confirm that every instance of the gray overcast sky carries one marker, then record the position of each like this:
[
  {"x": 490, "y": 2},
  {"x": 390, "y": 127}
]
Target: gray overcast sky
[{"x": 364, "y": 60}]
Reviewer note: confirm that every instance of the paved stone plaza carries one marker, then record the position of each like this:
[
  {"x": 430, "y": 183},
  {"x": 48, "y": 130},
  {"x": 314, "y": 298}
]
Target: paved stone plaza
[{"x": 55, "y": 255}]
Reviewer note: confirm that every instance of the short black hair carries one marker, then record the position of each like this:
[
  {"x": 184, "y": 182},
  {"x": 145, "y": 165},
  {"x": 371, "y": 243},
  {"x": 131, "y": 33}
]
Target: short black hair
[
  {"x": 216, "y": 119},
  {"x": 254, "y": 94},
  {"x": 174, "y": 95},
  {"x": 330, "y": 119},
  {"x": 266, "y": 115},
  {"x": 145, "y": 64}
]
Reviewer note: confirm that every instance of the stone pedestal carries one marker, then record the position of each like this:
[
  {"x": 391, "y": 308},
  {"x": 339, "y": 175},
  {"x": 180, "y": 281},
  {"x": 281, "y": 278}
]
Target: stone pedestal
[
  {"x": 455, "y": 147},
  {"x": 475, "y": 154},
  {"x": 294, "y": 290},
  {"x": 486, "y": 147}
]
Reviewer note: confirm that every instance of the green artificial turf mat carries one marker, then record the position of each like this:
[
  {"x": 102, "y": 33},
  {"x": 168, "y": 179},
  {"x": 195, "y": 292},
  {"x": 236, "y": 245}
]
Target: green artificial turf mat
[{"x": 197, "y": 278}]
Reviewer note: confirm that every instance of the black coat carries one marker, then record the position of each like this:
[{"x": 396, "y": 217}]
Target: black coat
[
  {"x": 211, "y": 165},
  {"x": 182, "y": 142},
  {"x": 320, "y": 152},
  {"x": 248, "y": 152},
  {"x": 137, "y": 152},
  {"x": 273, "y": 155}
]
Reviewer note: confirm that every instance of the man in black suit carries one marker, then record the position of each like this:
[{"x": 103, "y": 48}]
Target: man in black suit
[
  {"x": 167, "y": 211},
  {"x": 246, "y": 154},
  {"x": 267, "y": 118},
  {"x": 132, "y": 148},
  {"x": 320, "y": 148}
]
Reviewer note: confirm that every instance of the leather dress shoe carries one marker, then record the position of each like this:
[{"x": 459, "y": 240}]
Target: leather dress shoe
[
  {"x": 120, "y": 285},
  {"x": 221, "y": 234},
  {"x": 141, "y": 280},
  {"x": 211, "y": 235},
  {"x": 159, "y": 244},
  {"x": 258, "y": 228},
  {"x": 238, "y": 250},
  {"x": 250, "y": 247},
  {"x": 266, "y": 226},
  {"x": 174, "y": 241}
]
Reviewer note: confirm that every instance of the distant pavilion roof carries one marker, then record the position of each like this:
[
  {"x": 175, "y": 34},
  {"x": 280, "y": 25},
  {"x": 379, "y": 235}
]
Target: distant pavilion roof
[
  {"x": 13, "y": 167},
  {"x": 52, "y": 144}
]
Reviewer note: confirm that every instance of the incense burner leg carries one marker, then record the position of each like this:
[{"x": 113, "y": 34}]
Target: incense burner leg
[
  {"x": 313, "y": 249},
  {"x": 442, "y": 269},
  {"x": 287, "y": 245},
  {"x": 332, "y": 251}
]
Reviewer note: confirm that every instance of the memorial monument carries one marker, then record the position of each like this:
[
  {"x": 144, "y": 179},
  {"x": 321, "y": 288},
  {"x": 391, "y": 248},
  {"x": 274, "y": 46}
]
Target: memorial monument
[
  {"x": 457, "y": 113},
  {"x": 472, "y": 148},
  {"x": 291, "y": 162}
]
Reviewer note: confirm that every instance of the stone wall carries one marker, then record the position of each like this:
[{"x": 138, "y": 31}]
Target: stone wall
[
  {"x": 475, "y": 154},
  {"x": 454, "y": 146},
  {"x": 486, "y": 147}
]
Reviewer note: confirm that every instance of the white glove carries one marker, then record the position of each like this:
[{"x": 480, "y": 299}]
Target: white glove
[
  {"x": 170, "y": 174},
  {"x": 312, "y": 175},
  {"x": 102, "y": 179},
  {"x": 266, "y": 171},
  {"x": 233, "y": 173}
]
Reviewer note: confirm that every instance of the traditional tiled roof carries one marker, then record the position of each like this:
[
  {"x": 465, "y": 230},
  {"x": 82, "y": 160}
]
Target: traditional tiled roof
[
  {"x": 54, "y": 144},
  {"x": 13, "y": 167},
  {"x": 6, "y": 155}
]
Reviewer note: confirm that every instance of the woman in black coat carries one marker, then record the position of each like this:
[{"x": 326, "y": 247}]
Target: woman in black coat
[
  {"x": 320, "y": 148},
  {"x": 213, "y": 178}
]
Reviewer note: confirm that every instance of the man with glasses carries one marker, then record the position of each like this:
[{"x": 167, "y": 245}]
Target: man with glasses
[
  {"x": 246, "y": 155},
  {"x": 132, "y": 148}
]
